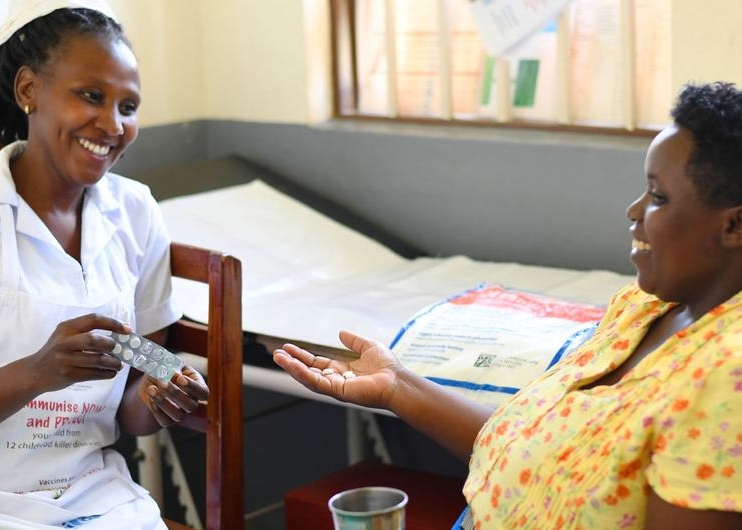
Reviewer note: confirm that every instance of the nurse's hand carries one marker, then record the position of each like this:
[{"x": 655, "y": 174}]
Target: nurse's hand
[
  {"x": 74, "y": 352},
  {"x": 170, "y": 402}
]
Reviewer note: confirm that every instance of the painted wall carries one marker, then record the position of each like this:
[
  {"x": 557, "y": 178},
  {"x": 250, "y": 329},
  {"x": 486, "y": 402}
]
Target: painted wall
[
  {"x": 255, "y": 61},
  {"x": 536, "y": 199},
  {"x": 263, "y": 61},
  {"x": 168, "y": 40},
  {"x": 707, "y": 43},
  {"x": 247, "y": 77},
  {"x": 225, "y": 59}
]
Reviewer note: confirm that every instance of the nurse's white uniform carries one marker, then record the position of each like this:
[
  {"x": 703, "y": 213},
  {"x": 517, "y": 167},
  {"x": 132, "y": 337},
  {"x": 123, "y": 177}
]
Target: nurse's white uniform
[{"x": 54, "y": 467}]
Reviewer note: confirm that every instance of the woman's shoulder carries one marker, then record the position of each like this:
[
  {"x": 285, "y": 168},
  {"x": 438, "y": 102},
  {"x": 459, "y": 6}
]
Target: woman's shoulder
[
  {"x": 124, "y": 186},
  {"x": 124, "y": 191},
  {"x": 711, "y": 350}
]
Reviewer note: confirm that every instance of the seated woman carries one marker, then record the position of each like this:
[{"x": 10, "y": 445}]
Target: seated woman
[
  {"x": 81, "y": 250},
  {"x": 640, "y": 427}
]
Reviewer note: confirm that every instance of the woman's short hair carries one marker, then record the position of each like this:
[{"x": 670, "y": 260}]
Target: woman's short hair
[{"x": 713, "y": 115}]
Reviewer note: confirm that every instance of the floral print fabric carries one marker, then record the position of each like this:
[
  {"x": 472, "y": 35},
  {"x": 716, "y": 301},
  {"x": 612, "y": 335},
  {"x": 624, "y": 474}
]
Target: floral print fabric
[{"x": 558, "y": 456}]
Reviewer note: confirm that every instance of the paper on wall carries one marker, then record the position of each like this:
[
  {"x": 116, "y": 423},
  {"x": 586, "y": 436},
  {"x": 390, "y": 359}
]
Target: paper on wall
[{"x": 504, "y": 23}]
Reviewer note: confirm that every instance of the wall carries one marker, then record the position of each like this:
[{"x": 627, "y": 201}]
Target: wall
[
  {"x": 224, "y": 59},
  {"x": 707, "y": 44},
  {"x": 540, "y": 199},
  {"x": 255, "y": 61},
  {"x": 168, "y": 40},
  {"x": 247, "y": 77},
  {"x": 251, "y": 60}
]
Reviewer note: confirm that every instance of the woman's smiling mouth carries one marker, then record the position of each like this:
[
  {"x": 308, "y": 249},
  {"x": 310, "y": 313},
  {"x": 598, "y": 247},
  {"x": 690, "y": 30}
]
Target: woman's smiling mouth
[
  {"x": 96, "y": 149},
  {"x": 640, "y": 245}
]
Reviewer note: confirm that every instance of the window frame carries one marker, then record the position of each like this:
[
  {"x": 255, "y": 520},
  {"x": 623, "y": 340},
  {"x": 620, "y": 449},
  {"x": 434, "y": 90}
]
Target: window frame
[{"x": 344, "y": 78}]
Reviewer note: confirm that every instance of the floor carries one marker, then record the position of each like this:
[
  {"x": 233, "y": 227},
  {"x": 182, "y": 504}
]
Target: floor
[
  {"x": 276, "y": 458},
  {"x": 322, "y": 450},
  {"x": 273, "y": 520}
]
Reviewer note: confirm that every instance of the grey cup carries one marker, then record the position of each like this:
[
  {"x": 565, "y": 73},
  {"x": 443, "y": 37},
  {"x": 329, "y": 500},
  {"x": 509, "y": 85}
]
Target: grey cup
[{"x": 370, "y": 508}]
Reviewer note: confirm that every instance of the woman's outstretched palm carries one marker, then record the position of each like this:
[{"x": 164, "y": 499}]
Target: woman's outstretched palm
[{"x": 373, "y": 377}]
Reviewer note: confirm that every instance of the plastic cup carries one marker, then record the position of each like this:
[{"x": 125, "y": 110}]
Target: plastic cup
[{"x": 370, "y": 508}]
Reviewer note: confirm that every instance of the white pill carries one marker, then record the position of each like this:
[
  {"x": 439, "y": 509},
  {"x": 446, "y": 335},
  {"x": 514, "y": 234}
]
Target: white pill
[
  {"x": 328, "y": 371},
  {"x": 173, "y": 361},
  {"x": 117, "y": 348},
  {"x": 349, "y": 374},
  {"x": 128, "y": 355},
  {"x": 162, "y": 372},
  {"x": 135, "y": 342}
]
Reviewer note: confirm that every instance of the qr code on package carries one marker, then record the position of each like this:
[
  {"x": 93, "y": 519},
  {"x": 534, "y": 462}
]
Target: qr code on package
[{"x": 485, "y": 360}]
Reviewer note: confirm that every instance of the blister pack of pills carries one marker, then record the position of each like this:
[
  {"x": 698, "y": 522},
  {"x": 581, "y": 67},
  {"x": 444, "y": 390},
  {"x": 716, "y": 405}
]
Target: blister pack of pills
[{"x": 147, "y": 356}]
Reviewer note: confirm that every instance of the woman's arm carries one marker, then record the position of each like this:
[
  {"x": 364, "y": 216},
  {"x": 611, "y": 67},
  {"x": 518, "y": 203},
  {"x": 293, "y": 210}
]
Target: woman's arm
[
  {"x": 20, "y": 385},
  {"x": 448, "y": 418},
  {"x": 382, "y": 382},
  {"x": 73, "y": 353}
]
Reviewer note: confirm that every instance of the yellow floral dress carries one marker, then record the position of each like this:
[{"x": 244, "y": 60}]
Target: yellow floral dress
[{"x": 557, "y": 456}]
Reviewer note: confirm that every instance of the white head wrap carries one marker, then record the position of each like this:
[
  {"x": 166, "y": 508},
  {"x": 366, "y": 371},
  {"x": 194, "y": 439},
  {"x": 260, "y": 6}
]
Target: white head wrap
[{"x": 17, "y": 13}]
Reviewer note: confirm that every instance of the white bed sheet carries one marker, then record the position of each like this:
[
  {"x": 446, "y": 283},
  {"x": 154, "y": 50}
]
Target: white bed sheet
[{"x": 305, "y": 276}]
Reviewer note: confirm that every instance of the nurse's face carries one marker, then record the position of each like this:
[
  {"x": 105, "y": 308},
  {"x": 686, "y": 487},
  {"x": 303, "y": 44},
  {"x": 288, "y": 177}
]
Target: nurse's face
[
  {"x": 85, "y": 102},
  {"x": 677, "y": 248}
]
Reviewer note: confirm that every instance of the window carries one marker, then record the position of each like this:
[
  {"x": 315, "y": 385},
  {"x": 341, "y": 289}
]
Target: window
[{"x": 600, "y": 64}]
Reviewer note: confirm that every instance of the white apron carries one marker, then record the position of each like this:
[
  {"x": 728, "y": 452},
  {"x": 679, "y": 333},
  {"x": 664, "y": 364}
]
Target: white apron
[{"x": 53, "y": 465}]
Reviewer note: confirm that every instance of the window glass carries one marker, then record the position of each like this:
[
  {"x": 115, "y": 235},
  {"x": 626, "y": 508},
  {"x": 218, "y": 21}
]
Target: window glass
[
  {"x": 614, "y": 68},
  {"x": 652, "y": 45},
  {"x": 370, "y": 30},
  {"x": 595, "y": 67}
]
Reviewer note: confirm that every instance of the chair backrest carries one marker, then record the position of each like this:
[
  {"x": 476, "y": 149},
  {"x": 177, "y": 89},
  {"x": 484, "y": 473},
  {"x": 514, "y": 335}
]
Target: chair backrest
[{"x": 220, "y": 341}]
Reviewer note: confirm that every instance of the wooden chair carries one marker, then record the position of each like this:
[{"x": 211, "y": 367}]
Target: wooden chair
[{"x": 220, "y": 341}]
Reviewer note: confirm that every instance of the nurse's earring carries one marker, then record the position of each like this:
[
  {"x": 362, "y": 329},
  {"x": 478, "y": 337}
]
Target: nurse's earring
[{"x": 28, "y": 109}]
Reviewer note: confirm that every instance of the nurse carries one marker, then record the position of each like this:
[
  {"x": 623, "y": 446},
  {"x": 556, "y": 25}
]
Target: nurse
[{"x": 81, "y": 249}]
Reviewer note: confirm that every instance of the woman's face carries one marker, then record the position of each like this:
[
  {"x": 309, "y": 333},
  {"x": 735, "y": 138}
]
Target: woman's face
[
  {"x": 676, "y": 244},
  {"x": 85, "y": 104}
]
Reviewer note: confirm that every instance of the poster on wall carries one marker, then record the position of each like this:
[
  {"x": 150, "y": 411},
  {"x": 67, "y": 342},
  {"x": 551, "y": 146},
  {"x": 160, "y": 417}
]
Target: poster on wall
[
  {"x": 504, "y": 23},
  {"x": 531, "y": 77}
]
